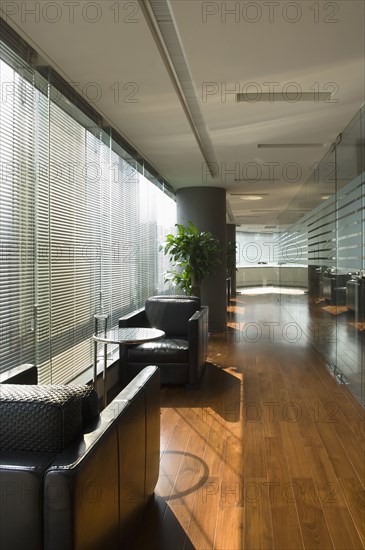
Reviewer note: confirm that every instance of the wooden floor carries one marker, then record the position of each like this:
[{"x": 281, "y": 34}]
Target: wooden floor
[{"x": 268, "y": 453}]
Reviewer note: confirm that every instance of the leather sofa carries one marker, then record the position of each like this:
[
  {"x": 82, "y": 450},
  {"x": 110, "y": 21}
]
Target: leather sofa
[
  {"x": 77, "y": 491},
  {"x": 182, "y": 353}
]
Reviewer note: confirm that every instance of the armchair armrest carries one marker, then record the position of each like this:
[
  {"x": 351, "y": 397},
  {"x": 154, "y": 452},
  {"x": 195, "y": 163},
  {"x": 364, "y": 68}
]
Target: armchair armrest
[
  {"x": 135, "y": 319},
  {"x": 198, "y": 343}
]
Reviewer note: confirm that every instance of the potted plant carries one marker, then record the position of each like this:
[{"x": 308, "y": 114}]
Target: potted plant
[{"x": 195, "y": 254}]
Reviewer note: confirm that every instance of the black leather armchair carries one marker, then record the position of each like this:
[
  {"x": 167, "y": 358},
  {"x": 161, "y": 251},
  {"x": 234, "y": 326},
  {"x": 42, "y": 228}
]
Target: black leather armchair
[{"x": 182, "y": 353}]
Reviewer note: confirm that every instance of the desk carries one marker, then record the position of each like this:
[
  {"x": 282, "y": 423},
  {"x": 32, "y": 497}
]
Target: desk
[
  {"x": 278, "y": 275},
  {"x": 124, "y": 337}
]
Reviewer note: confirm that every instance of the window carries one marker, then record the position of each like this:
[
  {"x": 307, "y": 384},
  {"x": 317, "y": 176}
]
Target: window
[{"x": 81, "y": 226}]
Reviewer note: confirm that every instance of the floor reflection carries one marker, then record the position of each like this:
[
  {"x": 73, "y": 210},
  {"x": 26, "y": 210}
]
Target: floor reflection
[{"x": 335, "y": 331}]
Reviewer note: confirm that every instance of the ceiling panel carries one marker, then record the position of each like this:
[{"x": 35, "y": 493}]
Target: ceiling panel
[{"x": 285, "y": 46}]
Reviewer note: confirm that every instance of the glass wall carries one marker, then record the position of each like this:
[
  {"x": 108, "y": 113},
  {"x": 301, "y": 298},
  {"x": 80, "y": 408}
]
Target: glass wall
[
  {"x": 333, "y": 232},
  {"x": 81, "y": 223},
  {"x": 254, "y": 249}
]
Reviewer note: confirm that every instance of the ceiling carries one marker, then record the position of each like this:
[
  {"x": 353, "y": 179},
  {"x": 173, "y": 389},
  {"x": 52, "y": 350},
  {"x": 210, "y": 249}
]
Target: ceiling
[{"x": 165, "y": 74}]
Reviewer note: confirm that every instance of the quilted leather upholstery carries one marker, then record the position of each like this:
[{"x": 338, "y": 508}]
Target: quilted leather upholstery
[
  {"x": 44, "y": 418},
  {"x": 89, "y": 402}
]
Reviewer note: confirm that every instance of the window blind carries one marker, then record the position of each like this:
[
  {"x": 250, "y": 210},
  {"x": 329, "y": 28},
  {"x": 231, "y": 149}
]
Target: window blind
[
  {"x": 80, "y": 230},
  {"x": 17, "y": 330}
]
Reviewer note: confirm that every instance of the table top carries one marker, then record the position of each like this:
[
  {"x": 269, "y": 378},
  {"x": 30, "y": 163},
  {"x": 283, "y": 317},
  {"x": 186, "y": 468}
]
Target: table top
[{"x": 129, "y": 335}]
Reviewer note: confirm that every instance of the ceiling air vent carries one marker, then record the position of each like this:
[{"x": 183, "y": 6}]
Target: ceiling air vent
[
  {"x": 289, "y": 97},
  {"x": 289, "y": 145},
  {"x": 256, "y": 180},
  {"x": 270, "y": 226}
]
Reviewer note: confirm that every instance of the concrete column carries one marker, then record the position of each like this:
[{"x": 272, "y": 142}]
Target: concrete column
[
  {"x": 206, "y": 208},
  {"x": 231, "y": 238}
]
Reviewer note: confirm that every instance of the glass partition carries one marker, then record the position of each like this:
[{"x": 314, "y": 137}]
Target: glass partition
[
  {"x": 350, "y": 255},
  {"x": 323, "y": 229}
]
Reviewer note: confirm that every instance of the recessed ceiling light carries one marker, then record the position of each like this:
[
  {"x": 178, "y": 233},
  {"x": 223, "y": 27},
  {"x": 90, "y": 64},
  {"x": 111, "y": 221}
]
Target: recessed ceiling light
[
  {"x": 325, "y": 197},
  {"x": 288, "y": 145},
  {"x": 289, "y": 97},
  {"x": 251, "y": 198}
]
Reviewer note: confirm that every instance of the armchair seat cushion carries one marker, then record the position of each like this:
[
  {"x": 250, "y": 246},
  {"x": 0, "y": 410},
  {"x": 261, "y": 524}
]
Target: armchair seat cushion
[{"x": 169, "y": 350}]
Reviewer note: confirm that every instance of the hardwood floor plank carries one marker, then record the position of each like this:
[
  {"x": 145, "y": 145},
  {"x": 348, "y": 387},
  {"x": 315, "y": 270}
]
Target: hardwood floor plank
[
  {"x": 336, "y": 453},
  {"x": 230, "y": 527},
  {"x": 254, "y": 453},
  {"x": 285, "y": 521},
  {"x": 327, "y": 482},
  {"x": 223, "y": 461},
  {"x": 295, "y": 450},
  {"x": 353, "y": 449},
  {"x": 269, "y": 407},
  {"x": 311, "y": 517},
  {"x": 190, "y": 478},
  {"x": 343, "y": 534},
  {"x": 258, "y": 532},
  {"x": 202, "y": 527},
  {"x": 332, "y": 494},
  {"x": 171, "y": 457},
  {"x": 355, "y": 499},
  {"x": 231, "y": 503}
]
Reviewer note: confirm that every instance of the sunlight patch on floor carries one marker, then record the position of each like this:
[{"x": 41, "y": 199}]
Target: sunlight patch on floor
[{"x": 335, "y": 310}]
